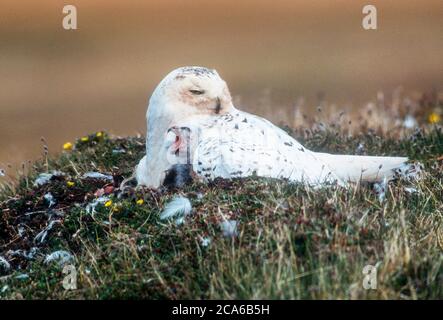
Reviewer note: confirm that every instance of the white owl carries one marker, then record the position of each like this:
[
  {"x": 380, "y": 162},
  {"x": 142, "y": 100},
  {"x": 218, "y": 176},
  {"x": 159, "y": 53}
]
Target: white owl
[{"x": 194, "y": 130}]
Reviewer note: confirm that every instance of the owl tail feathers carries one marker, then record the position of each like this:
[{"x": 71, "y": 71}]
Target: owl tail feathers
[{"x": 369, "y": 168}]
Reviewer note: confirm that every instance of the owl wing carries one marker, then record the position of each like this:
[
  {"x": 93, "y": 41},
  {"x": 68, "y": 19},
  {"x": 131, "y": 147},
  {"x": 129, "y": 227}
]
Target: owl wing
[{"x": 241, "y": 145}]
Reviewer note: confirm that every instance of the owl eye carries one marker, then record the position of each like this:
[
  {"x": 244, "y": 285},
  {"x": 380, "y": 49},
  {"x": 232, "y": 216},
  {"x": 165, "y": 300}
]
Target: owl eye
[{"x": 197, "y": 92}]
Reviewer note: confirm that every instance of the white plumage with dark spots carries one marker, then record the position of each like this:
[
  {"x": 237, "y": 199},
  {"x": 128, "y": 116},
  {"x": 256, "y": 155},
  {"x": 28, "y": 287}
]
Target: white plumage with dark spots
[{"x": 195, "y": 132}]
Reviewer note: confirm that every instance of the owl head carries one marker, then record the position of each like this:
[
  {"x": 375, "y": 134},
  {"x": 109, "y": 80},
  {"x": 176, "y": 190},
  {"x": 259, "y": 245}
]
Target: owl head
[{"x": 189, "y": 91}]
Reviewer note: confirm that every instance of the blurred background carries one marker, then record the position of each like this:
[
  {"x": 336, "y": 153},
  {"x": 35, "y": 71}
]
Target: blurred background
[{"x": 61, "y": 84}]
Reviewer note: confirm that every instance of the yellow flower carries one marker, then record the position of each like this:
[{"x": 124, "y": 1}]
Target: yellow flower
[
  {"x": 84, "y": 139},
  {"x": 68, "y": 146},
  {"x": 70, "y": 184},
  {"x": 140, "y": 201},
  {"x": 434, "y": 118},
  {"x": 108, "y": 203},
  {"x": 99, "y": 134}
]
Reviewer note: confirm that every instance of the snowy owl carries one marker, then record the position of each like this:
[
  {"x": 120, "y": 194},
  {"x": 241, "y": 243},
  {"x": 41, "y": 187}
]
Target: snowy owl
[{"x": 195, "y": 132}]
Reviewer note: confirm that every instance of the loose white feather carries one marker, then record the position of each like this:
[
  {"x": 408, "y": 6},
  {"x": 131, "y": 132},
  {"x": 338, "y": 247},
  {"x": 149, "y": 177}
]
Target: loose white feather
[
  {"x": 178, "y": 207},
  {"x": 98, "y": 175},
  {"x": 61, "y": 257},
  {"x": 4, "y": 264}
]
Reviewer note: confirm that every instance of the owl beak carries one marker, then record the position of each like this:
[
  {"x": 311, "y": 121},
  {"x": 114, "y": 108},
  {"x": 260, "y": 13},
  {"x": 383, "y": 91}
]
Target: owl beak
[{"x": 217, "y": 106}]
